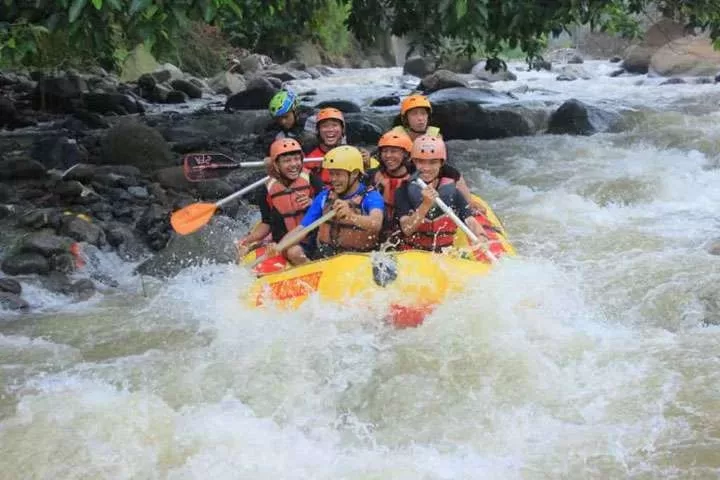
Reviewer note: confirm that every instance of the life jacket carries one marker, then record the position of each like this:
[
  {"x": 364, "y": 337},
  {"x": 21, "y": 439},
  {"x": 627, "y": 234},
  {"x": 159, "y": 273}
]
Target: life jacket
[
  {"x": 432, "y": 131},
  {"x": 386, "y": 184},
  {"x": 336, "y": 236},
  {"x": 283, "y": 200},
  {"x": 437, "y": 230},
  {"x": 316, "y": 167}
]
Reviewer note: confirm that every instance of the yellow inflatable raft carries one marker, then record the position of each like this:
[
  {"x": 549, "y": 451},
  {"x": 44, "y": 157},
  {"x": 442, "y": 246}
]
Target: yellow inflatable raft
[{"x": 409, "y": 283}]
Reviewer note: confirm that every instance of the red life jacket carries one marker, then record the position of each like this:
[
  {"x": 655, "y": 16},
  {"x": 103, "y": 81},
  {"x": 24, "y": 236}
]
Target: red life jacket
[
  {"x": 335, "y": 236},
  {"x": 283, "y": 199},
  {"x": 436, "y": 232},
  {"x": 316, "y": 167}
]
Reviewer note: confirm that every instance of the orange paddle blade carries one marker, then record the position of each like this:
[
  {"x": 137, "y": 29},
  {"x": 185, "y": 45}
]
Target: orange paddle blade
[{"x": 192, "y": 218}]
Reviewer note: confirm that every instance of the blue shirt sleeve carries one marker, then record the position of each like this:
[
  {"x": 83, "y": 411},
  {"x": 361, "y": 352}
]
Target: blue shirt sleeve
[
  {"x": 373, "y": 201},
  {"x": 315, "y": 210}
]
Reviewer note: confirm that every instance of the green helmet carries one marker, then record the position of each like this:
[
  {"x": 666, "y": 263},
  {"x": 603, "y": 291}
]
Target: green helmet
[{"x": 283, "y": 102}]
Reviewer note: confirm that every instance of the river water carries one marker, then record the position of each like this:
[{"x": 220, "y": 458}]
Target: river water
[{"x": 593, "y": 354}]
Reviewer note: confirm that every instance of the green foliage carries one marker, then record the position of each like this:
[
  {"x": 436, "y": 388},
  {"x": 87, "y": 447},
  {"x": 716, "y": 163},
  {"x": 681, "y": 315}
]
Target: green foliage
[
  {"x": 490, "y": 26},
  {"x": 273, "y": 27},
  {"x": 36, "y": 32},
  {"x": 205, "y": 50},
  {"x": 327, "y": 27},
  {"x": 107, "y": 29}
]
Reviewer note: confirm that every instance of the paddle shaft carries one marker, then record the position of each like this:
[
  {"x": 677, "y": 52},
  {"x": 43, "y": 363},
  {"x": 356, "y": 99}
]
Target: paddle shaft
[
  {"x": 293, "y": 238},
  {"x": 448, "y": 211},
  {"x": 261, "y": 163},
  {"x": 241, "y": 192}
]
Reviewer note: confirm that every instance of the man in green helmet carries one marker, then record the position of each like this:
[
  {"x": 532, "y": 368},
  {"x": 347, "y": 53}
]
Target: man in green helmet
[{"x": 289, "y": 119}]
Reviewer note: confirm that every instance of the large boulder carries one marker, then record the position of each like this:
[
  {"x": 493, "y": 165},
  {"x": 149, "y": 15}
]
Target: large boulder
[
  {"x": 112, "y": 103},
  {"x": 637, "y": 57},
  {"x": 257, "y": 96},
  {"x": 577, "y": 118},
  {"x": 689, "y": 56},
  {"x": 21, "y": 168},
  {"x": 345, "y": 106},
  {"x": 419, "y": 66},
  {"x": 62, "y": 94},
  {"x": 482, "y": 73},
  {"x": 25, "y": 264},
  {"x": 132, "y": 143},
  {"x": 470, "y": 113},
  {"x": 227, "y": 83},
  {"x": 442, "y": 79}
]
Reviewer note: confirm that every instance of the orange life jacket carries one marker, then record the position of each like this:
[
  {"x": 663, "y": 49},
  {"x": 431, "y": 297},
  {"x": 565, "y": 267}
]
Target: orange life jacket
[
  {"x": 435, "y": 231},
  {"x": 316, "y": 167},
  {"x": 335, "y": 236},
  {"x": 283, "y": 199}
]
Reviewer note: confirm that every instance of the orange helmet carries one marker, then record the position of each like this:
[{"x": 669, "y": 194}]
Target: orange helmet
[
  {"x": 427, "y": 147},
  {"x": 394, "y": 139},
  {"x": 414, "y": 101},
  {"x": 328, "y": 114},
  {"x": 282, "y": 146}
]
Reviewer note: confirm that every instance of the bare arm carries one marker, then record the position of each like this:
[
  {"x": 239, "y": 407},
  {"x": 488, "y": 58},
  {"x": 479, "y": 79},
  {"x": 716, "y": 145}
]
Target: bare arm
[{"x": 371, "y": 222}]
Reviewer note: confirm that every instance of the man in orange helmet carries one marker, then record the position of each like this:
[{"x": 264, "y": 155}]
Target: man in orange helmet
[
  {"x": 330, "y": 125},
  {"x": 415, "y": 111},
  {"x": 394, "y": 152},
  {"x": 284, "y": 199},
  {"x": 425, "y": 225}
]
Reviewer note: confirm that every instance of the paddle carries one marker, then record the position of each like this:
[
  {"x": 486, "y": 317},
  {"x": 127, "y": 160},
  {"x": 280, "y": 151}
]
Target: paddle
[
  {"x": 209, "y": 166},
  {"x": 193, "y": 217},
  {"x": 444, "y": 207},
  {"x": 293, "y": 238}
]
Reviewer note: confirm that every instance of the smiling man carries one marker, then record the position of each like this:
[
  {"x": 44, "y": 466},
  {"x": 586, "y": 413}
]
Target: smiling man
[
  {"x": 425, "y": 225},
  {"x": 358, "y": 209},
  {"x": 284, "y": 200}
]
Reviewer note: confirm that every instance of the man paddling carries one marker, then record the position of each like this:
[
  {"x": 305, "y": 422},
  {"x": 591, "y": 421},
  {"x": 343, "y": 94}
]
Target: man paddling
[
  {"x": 358, "y": 210},
  {"x": 425, "y": 226},
  {"x": 284, "y": 200}
]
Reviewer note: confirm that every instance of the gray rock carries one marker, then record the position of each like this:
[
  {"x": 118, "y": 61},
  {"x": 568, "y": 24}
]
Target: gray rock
[
  {"x": 10, "y": 286},
  {"x": 25, "y": 264},
  {"x": 481, "y": 73},
  {"x": 442, "y": 79},
  {"x": 419, "y": 66},
  {"x": 21, "y": 168},
  {"x": 82, "y": 290},
  {"x": 45, "y": 243},
  {"x": 11, "y": 301},
  {"x": 191, "y": 90},
  {"x": 577, "y": 118},
  {"x": 345, "y": 106},
  {"x": 138, "y": 192},
  {"x": 176, "y": 96},
  {"x": 82, "y": 230}
]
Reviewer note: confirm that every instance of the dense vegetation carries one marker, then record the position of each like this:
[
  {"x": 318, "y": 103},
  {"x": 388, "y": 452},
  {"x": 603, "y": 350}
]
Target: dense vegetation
[{"x": 60, "y": 32}]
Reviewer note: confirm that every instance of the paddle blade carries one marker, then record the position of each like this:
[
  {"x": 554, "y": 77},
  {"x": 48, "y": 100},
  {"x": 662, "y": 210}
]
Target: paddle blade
[
  {"x": 192, "y": 218},
  {"x": 208, "y": 166}
]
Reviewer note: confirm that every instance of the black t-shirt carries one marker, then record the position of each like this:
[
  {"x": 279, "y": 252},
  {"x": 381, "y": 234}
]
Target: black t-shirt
[
  {"x": 271, "y": 217},
  {"x": 404, "y": 207}
]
